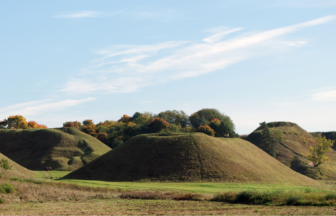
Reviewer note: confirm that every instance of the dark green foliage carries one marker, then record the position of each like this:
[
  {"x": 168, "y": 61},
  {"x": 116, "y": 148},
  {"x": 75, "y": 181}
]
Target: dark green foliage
[
  {"x": 3, "y": 124},
  {"x": 158, "y": 124},
  {"x": 268, "y": 142},
  {"x": 331, "y": 135},
  {"x": 175, "y": 117},
  {"x": 7, "y": 188},
  {"x": 204, "y": 117},
  {"x": 114, "y": 143}
]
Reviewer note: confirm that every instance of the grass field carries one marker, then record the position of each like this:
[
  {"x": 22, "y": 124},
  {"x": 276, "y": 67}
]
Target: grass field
[
  {"x": 156, "y": 207},
  {"x": 208, "y": 188},
  {"x": 53, "y": 174}
]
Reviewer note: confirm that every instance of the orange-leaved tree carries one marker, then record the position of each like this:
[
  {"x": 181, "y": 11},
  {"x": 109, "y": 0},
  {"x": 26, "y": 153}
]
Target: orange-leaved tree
[
  {"x": 206, "y": 129},
  {"x": 89, "y": 128},
  {"x": 158, "y": 124},
  {"x": 74, "y": 124},
  {"x": 17, "y": 122},
  {"x": 125, "y": 119},
  {"x": 33, "y": 124}
]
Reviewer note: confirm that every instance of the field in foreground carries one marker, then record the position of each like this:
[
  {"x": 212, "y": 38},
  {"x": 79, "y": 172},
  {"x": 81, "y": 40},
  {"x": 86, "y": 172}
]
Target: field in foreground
[{"x": 155, "y": 207}]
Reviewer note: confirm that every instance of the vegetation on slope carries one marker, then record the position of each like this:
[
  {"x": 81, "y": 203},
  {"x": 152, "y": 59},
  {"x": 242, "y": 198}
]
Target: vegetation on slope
[
  {"x": 193, "y": 157},
  {"x": 16, "y": 169},
  {"x": 293, "y": 147},
  {"x": 36, "y": 149}
]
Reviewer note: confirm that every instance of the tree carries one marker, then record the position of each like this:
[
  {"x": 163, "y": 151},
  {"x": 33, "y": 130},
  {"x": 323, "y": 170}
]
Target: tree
[
  {"x": 158, "y": 124},
  {"x": 3, "y": 124},
  {"x": 4, "y": 165},
  {"x": 88, "y": 122},
  {"x": 102, "y": 136},
  {"x": 175, "y": 117},
  {"x": 17, "y": 122},
  {"x": 206, "y": 129},
  {"x": 268, "y": 142},
  {"x": 125, "y": 119},
  {"x": 318, "y": 153},
  {"x": 74, "y": 124},
  {"x": 204, "y": 116},
  {"x": 33, "y": 124}
]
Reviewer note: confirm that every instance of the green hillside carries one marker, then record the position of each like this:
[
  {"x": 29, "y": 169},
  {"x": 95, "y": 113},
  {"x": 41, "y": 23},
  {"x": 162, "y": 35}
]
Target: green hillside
[
  {"x": 192, "y": 157},
  {"x": 293, "y": 147},
  {"x": 37, "y": 148},
  {"x": 17, "y": 170}
]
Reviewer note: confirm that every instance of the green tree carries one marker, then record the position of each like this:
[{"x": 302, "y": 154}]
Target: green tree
[
  {"x": 158, "y": 124},
  {"x": 318, "y": 153},
  {"x": 268, "y": 142},
  {"x": 17, "y": 122},
  {"x": 204, "y": 116},
  {"x": 175, "y": 117}
]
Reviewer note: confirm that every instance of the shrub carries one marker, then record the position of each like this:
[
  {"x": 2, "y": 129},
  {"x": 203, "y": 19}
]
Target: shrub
[
  {"x": 7, "y": 188},
  {"x": 158, "y": 124},
  {"x": 206, "y": 129},
  {"x": 2, "y": 201},
  {"x": 74, "y": 124}
]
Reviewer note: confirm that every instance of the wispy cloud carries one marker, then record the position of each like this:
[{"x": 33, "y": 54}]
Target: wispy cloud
[
  {"x": 129, "y": 68},
  {"x": 305, "y": 3},
  {"x": 86, "y": 14},
  {"x": 324, "y": 96},
  {"x": 35, "y": 108}
]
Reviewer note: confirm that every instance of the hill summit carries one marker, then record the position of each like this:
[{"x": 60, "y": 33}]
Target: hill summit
[
  {"x": 293, "y": 147},
  {"x": 193, "y": 157},
  {"x": 61, "y": 149}
]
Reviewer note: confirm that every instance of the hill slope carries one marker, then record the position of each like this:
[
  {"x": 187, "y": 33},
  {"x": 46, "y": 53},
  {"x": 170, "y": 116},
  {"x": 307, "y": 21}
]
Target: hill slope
[
  {"x": 189, "y": 157},
  {"x": 293, "y": 147},
  {"x": 37, "y": 148},
  {"x": 16, "y": 169}
]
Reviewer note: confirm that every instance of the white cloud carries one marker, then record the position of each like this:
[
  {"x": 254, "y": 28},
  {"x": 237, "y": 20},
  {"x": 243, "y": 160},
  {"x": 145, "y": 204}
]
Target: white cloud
[
  {"x": 129, "y": 68},
  {"x": 82, "y": 14},
  {"x": 35, "y": 108},
  {"x": 324, "y": 96}
]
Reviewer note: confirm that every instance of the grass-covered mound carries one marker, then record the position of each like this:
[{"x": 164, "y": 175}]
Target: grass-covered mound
[
  {"x": 36, "y": 149},
  {"x": 16, "y": 169},
  {"x": 192, "y": 157},
  {"x": 293, "y": 148}
]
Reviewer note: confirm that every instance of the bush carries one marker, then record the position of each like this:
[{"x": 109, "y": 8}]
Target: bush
[
  {"x": 2, "y": 201},
  {"x": 102, "y": 136},
  {"x": 206, "y": 129},
  {"x": 7, "y": 188}
]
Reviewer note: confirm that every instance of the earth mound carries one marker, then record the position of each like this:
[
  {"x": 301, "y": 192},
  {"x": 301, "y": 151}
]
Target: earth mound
[
  {"x": 59, "y": 149},
  {"x": 293, "y": 147},
  {"x": 194, "y": 157},
  {"x": 17, "y": 170}
]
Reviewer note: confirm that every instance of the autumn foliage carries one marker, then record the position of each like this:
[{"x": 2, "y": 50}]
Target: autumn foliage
[
  {"x": 17, "y": 122},
  {"x": 74, "y": 124},
  {"x": 125, "y": 119},
  {"x": 33, "y": 124},
  {"x": 158, "y": 124},
  {"x": 206, "y": 129}
]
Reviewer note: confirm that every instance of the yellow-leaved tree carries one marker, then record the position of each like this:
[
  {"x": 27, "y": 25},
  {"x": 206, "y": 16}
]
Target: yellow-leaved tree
[{"x": 318, "y": 153}]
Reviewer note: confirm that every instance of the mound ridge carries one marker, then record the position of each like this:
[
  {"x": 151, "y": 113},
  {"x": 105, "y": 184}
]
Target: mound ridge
[
  {"x": 37, "y": 148},
  {"x": 16, "y": 169},
  {"x": 192, "y": 157},
  {"x": 293, "y": 148}
]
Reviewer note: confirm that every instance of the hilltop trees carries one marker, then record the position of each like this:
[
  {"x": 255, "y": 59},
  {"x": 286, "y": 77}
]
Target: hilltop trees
[
  {"x": 268, "y": 142},
  {"x": 158, "y": 124},
  {"x": 19, "y": 122},
  {"x": 318, "y": 153},
  {"x": 206, "y": 129},
  {"x": 175, "y": 117},
  {"x": 33, "y": 124},
  {"x": 74, "y": 124},
  {"x": 220, "y": 123}
]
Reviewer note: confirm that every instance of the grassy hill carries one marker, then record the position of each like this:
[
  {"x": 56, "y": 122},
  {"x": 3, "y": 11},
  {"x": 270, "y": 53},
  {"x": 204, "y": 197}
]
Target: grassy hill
[
  {"x": 37, "y": 148},
  {"x": 293, "y": 147},
  {"x": 192, "y": 157},
  {"x": 17, "y": 170}
]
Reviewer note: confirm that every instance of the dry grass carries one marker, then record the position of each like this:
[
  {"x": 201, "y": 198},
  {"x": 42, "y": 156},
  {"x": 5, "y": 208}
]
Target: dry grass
[
  {"x": 41, "y": 191},
  {"x": 155, "y": 207}
]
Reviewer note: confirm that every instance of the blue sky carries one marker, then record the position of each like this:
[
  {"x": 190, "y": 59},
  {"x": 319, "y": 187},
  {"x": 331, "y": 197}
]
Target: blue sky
[{"x": 254, "y": 61}]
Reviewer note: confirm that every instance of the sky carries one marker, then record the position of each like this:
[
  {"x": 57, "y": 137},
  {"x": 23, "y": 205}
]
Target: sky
[{"x": 254, "y": 61}]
